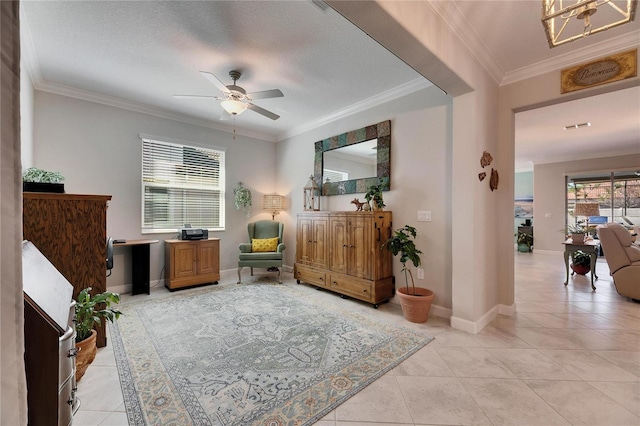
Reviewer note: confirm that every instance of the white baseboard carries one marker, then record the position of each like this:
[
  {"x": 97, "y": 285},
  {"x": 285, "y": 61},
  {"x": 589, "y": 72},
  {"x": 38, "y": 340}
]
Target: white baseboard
[{"x": 475, "y": 327}]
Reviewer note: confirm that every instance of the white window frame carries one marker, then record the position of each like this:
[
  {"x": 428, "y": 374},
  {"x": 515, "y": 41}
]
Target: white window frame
[{"x": 195, "y": 179}]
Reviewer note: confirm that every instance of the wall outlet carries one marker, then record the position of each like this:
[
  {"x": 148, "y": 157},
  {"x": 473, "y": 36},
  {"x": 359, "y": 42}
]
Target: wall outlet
[
  {"x": 424, "y": 216},
  {"x": 420, "y": 274}
]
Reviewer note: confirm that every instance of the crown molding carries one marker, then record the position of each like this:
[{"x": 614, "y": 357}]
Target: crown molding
[
  {"x": 585, "y": 54},
  {"x": 389, "y": 95},
  {"x": 85, "y": 95},
  {"x": 453, "y": 18}
]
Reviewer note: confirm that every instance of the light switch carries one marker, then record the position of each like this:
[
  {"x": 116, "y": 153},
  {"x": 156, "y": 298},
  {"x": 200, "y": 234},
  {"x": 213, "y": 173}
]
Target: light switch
[
  {"x": 424, "y": 216},
  {"x": 420, "y": 274},
  {"x": 547, "y": 215}
]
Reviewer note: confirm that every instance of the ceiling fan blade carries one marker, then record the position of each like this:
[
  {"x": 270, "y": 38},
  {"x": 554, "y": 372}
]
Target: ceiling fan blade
[
  {"x": 265, "y": 94},
  {"x": 195, "y": 97},
  {"x": 216, "y": 82},
  {"x": 263, "y": 111}
]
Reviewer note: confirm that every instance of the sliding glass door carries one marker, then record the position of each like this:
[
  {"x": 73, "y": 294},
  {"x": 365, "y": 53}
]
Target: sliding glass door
[{"x": 617, "y": 196}]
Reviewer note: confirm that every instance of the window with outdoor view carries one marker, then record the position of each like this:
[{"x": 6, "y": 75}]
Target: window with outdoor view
[
  {"x": 181, "y": 185},
  {"x": 617, "y": 195}
]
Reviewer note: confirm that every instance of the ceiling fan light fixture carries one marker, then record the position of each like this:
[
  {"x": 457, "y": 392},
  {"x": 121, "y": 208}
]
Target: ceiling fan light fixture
[
  {"x": 562, "y": 19},
  {"x": 234, "y": 107}
]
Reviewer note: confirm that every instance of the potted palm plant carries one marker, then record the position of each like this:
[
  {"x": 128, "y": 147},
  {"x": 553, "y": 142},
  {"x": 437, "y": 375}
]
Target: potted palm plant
[
  {"x": 91, "y": 310},
  {"x": 576, "y": 232},
  {"x": 415, "y": 301}
]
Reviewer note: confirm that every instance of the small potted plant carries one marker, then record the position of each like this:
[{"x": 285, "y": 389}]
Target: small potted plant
[
  {"x": 374, "y": 192},
  {"x": 91, "y": 310},
  {"x": 524, "y": 241},
  {"x": 576, "y": 232},
  {"x": 415, "y": 301},
  {"x": 38, "y": 180},
  {"x": 581, "y": 262}
]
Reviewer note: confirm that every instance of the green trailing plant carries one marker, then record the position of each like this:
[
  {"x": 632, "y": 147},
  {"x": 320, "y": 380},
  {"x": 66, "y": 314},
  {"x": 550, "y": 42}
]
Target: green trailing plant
[
  {"x": 374, "y": 192},
  {"x": 33, "y": 174},
  {"x": 403, "y": 242},
  {"x": 243, "y": 199},
  {"x": 92, "y": 310},
  {"x": 581, "y": 258}
]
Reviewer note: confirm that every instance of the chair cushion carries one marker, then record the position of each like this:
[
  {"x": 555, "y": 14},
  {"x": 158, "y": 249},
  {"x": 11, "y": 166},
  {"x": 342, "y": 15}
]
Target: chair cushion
[
  {"x": 259, "y": 245},
  {"x": 272, "y": 255}
]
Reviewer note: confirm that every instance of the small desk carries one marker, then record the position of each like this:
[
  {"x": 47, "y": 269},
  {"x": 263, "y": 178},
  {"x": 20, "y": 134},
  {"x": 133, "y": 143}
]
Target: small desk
[
  {"x": 590, "y": 247},
  {"x": 140, "y": 263}
]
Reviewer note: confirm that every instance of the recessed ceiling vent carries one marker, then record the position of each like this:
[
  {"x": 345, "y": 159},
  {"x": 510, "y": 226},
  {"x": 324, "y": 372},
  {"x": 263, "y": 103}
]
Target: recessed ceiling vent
[{"x": 577, "y": 126}]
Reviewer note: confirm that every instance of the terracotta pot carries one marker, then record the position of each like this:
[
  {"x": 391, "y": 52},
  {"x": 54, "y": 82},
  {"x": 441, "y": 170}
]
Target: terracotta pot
[
  {"x": 415, "y": 307},
  {"x": 577, "y": 238},
  {"x": 86, "y": 353},
  {"x": 580, "y": 269}
]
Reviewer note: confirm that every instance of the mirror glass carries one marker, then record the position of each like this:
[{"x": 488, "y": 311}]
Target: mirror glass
[{"x": 353, "y": 161}]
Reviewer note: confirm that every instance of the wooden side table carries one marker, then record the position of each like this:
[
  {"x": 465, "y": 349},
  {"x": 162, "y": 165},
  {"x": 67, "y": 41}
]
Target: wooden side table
[{"x": 591, "y": 247}]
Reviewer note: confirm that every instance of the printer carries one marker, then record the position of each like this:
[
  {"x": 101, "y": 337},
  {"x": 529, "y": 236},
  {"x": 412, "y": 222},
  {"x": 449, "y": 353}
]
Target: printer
[{"x": 189, "y": 233}]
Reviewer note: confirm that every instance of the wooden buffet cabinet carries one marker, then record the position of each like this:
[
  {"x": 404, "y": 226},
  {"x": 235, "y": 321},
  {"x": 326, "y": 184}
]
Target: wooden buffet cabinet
[
  {"x": 191, "y": 262},
  {"x": 340, "y": 251},
  {"x": 70, "y": 230}
]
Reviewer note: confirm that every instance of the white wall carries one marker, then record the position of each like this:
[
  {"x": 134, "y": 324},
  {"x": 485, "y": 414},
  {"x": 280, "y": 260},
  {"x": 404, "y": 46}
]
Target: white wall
[
  {"x": 549, "y": 194},
  {"x": 97, "y": 149},
  {"x": 420, "y": 177},
  {"x": 26, "y": 118}
]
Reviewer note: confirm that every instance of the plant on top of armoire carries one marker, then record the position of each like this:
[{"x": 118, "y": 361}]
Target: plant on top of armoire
[
  {"x": 91, "y": 310},
  {"x": 415, "y": 301},
  {"x": 374, "y": 192},
  {"x": 38, "y": 180}
]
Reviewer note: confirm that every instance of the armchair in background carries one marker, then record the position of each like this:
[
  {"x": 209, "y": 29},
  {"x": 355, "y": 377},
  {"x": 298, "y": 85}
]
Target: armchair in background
[
  {"x": 264, "y": 249},
  {"x": 623, "y": 259}
]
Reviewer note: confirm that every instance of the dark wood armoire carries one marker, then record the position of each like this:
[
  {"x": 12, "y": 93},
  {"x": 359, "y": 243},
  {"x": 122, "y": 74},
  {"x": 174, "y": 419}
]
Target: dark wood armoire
[{"x": 71, "y": 231}]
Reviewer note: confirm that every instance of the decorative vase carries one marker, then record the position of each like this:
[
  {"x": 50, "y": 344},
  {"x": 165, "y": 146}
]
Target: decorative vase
[
  {"x": 523, "y": 248},
  {"x": 580, "y": 269},
  {"x": 85, "y": 354},
  {"x": 376, "y": 207},
  {"x": 415, "y": 307}
]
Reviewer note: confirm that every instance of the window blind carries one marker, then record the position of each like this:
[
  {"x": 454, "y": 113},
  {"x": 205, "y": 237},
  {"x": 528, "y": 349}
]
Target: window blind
[{"x": 181, "y": 185}]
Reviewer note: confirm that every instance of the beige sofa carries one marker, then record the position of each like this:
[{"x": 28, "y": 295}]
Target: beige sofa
[{"x": 623, "y": 258}]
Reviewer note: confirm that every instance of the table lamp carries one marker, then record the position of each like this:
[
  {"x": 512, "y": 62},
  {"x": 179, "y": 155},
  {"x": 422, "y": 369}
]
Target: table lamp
[{"x": 586, "y": 209}]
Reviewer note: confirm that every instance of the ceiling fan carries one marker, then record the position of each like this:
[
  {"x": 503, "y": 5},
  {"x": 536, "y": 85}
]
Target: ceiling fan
[{"x": 235, "y": 99}]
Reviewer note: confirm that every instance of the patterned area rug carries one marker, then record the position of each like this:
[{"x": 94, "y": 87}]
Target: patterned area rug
[{"x": 258, "y": 354}]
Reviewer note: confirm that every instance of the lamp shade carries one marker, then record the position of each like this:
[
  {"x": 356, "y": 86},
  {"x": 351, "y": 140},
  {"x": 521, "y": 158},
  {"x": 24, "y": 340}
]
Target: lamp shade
[
  {"x": 233, "y": 107},
  {"x": 274, "y": 203},
  {"x": 586, "y": 209}
]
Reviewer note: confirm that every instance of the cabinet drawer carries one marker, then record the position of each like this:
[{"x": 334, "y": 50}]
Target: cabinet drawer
[
  {"x": 310, "y": 275},
  {"x": 66, "y": 355},
  {"x": 360, "y": 289},
  {"x": 65, "y": 404}
]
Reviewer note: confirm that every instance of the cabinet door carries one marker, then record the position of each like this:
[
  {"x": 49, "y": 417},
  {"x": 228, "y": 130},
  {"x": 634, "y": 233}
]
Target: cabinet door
[
  {"x": 184, "y": 260},
  {"x": 320, "y": 235},
  {"x": 304, "y": 240},
  {"x": 208, "y": 257},
  {"x": 361, "y": 248},
  {"x": 339, "y": 244}
]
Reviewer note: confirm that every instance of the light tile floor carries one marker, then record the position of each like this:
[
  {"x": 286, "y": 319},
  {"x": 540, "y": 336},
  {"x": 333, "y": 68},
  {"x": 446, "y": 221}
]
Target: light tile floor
[{"x": 569, "y": 356}]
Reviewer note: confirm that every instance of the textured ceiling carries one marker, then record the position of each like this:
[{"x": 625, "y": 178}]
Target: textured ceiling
[{"x": 139, "y": 54}]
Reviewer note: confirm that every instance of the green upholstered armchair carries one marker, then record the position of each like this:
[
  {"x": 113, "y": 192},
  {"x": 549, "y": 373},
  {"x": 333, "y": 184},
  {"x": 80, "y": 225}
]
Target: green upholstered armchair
[{"x": 262, "y": 230}]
